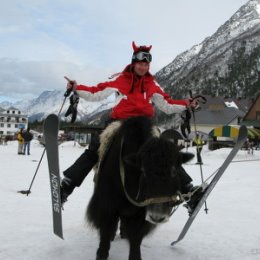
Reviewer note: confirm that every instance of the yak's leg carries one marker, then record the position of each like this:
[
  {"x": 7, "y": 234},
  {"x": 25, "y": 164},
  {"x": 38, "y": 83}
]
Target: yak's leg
[
  {"x": 134, "y": 233},
  {"x": 136, "y": 229},
  {"x": 135, "y": 248},
  {"x": 107, "y": 231},
  {"x": 104, "y": 246}
]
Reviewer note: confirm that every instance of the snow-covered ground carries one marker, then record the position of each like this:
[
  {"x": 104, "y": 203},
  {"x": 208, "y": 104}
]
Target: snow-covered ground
[{"x": 231, "y": 230}]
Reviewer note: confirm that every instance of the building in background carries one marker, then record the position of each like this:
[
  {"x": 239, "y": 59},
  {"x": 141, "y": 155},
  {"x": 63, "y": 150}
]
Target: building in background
[
  {"x": 11, "y": 120},
  {"x": 252, "y": 117}
]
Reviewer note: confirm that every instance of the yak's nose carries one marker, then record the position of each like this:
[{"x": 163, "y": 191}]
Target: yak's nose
[
  {"x": 156, "y": 218},
  {"x": 158, "y": 213}
]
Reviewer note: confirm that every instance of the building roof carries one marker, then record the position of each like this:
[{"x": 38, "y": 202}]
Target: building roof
[
  {"x": 218, "y": 117},
  {"x": 9, "y": 108},
  {"x": 219, "y": 102},
  {"x": 242, "y": 103},
  {"x": 12, "y": 108},
  {"x": 221, "y": 111}
]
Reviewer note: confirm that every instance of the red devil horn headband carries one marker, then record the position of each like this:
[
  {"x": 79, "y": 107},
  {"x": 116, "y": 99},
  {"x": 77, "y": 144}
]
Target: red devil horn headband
[{"x": 141, "y": 48}]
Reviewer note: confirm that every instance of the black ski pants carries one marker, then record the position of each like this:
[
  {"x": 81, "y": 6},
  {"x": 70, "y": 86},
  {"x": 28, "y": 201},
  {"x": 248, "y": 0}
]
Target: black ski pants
[
  {"x": 83, "y": 165},
  {"x": 78, "y": 171}
]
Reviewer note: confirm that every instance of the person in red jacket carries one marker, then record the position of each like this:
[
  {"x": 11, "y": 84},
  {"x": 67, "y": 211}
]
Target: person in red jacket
[{"x": 136, "y": 91}]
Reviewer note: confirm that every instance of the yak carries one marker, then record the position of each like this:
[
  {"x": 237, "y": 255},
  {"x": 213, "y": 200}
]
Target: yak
[{"x": 138, "y": 183}]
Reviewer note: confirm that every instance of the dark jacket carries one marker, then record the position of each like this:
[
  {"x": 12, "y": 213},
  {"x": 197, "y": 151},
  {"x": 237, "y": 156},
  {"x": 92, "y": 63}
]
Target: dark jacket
[{"x": 27, "y": 136}]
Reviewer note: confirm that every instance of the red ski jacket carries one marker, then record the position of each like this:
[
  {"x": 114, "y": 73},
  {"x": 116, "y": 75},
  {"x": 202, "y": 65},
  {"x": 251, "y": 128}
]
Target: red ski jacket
[{"x": 135, "y": 95}]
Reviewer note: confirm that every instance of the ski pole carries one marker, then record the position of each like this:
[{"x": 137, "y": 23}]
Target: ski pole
[
  {"x": 27, "y": 192},
  {"x": 38, "y": 166},
  {"x": 195, "y": 128}
]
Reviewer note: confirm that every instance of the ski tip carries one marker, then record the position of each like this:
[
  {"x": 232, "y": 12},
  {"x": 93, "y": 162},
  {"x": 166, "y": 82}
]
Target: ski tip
[
  {"x": 59, "y": 235},
  {"x": 52, "y": 116},
  {"x": 58, "y": 231},
  {"x": 51, "y": 119}
]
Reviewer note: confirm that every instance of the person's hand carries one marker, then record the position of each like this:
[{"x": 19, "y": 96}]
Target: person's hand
[
  {"x": 193, "y": 104},
  {"x": 71, "y": 85}
]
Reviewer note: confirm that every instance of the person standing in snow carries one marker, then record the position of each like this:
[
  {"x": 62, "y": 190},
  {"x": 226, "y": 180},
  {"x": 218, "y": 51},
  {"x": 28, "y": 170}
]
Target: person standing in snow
[
  {"x": 27, "y": 136},
  {"x": 136, "y": 91},
  {"x": 20, "y": 141},
  {"x": 199, "y": 145}
]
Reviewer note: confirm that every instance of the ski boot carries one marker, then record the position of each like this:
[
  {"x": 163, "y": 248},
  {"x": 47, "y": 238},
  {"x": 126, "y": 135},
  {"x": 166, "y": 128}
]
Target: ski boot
[{"x": 192, "y": 203}]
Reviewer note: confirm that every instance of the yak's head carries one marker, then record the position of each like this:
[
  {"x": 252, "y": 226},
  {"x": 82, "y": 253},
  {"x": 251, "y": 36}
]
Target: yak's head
[{"x": 159, "y": 161}]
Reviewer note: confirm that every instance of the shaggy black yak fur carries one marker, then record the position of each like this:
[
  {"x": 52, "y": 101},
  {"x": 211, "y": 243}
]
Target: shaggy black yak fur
[{"x": 151, "y": 171}]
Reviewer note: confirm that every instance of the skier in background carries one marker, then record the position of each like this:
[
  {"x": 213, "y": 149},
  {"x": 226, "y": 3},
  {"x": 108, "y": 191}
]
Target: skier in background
[
  {"x": 199, "y": 145},
  {"x": 27, "y": 136}
]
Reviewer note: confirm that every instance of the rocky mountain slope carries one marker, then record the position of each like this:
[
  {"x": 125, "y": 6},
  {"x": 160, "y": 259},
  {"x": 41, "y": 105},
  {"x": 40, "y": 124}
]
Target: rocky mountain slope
[{"x": 226, "y": 63}]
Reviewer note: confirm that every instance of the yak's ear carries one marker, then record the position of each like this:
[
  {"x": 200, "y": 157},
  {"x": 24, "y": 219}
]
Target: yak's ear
[
  {"x": 131, "y": 159},
  {"x": 186, "y": 157}
]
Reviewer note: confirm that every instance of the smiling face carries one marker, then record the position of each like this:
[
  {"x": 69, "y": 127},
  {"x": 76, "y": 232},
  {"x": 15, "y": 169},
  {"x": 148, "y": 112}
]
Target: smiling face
[{"x": 141, "y": 68}]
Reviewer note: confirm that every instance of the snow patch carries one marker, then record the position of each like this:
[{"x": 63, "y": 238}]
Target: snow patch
[
  {"x": 229, "y": 231},
  {"x": 258, "y": 9},
  {"x": 231, "y": 104}
]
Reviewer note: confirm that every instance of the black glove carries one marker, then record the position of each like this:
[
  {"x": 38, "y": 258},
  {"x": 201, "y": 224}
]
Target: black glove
[
  {"x": 196, "y": 101},
  {"x": 72, "y": 110}
]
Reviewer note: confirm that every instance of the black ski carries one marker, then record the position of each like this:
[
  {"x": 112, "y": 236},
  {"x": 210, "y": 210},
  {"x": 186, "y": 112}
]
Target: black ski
[
  {"x": 240, "y": 141},
  {"x": 50, "y": 129}
]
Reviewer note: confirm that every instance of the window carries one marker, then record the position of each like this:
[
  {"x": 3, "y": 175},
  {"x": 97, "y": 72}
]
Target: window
[
  {"x": 2, "y": 124},
  {"x": 16, "y": 125},
  {"x": 9, "y": 125},
  {"x": 8, "y": 111},
  {"x": 19, "y": 112},
  {"x": 13, "y": 112}
]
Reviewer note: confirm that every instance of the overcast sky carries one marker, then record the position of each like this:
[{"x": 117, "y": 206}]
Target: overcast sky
[{"x": 43, "y": 40}]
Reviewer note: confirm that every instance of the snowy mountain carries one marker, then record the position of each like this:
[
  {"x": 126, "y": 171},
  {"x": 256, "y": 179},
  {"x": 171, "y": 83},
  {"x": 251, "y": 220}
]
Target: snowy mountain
[
  {"x": 226, "y": 63},
  {"x": 51, "y": 101}
]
